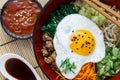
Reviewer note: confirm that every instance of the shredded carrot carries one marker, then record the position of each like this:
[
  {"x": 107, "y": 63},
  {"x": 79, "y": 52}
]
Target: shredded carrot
[
  {"x": 60, "y": 77},
  {"x": 87, "y": 73}
]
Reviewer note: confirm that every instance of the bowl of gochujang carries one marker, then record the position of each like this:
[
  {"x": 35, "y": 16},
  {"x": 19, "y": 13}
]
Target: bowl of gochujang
[{"x": 18, "y": 17}]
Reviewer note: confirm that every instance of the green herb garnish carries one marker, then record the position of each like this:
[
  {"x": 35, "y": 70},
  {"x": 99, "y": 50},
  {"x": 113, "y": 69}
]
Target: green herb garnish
[{"x": 67, "y": 66}]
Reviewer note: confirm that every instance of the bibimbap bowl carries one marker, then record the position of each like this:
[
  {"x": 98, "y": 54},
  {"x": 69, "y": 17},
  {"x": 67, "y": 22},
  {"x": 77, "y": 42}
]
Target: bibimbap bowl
[{"x": 71, "y": 40}]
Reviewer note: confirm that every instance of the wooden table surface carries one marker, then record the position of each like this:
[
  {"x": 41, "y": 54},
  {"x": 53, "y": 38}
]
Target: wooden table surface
[{"x": 23, "y": 48}]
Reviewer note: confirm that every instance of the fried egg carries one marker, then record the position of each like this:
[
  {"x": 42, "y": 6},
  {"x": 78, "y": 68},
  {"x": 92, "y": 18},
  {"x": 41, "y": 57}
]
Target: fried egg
[{"x": 80, "y": 40}]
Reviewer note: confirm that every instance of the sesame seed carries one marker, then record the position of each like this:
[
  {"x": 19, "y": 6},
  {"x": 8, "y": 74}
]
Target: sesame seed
[
  {"x": 30, "y": 20},
  {"x": 75, "y": 37},
  {"x": 82, "y": 45},
  {"x": 77, "y": 48},
  {"x": 16, "y": 21},
  {"x": 21, "y": 15},
  {"x": 87, "y": 42},
  {"x": 14, "y": 18},
  {"x": 27, "y": 19},
  {"x": 76, "y": 42}
]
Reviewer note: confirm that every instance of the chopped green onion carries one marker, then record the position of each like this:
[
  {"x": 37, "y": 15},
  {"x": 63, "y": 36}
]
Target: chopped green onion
[{"x": 67, "y": 66}]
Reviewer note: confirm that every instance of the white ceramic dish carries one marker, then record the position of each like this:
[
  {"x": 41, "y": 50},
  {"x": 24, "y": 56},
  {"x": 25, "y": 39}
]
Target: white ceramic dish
[{"x": 8, "y": 56}]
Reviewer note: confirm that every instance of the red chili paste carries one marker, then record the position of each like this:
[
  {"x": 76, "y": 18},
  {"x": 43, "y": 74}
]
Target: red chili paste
[{"x": 19, "y": 16}]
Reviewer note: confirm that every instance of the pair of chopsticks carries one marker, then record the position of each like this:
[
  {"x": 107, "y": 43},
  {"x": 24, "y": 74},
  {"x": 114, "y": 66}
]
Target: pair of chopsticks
[{"x": 97, "y": 5}]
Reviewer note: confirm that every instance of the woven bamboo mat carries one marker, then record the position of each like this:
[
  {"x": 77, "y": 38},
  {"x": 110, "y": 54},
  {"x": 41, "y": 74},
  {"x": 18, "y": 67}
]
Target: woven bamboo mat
[{"x": 23, "y": 48}]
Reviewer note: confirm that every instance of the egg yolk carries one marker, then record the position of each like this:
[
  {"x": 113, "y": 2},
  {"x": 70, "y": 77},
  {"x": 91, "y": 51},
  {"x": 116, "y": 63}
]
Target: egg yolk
[{"x": 82, "y": 42}]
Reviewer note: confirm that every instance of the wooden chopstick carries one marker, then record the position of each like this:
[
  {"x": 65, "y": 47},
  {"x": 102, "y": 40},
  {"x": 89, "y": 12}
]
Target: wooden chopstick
[
  {"x": 106, "y": 8},
  {"x": 90, "y": 3}
]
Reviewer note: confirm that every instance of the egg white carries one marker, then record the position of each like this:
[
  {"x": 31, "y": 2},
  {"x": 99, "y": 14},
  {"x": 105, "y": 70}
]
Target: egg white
[{"x": 62, "y": 42}]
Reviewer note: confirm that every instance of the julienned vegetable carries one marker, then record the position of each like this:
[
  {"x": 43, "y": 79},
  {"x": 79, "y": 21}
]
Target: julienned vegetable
[
  {"x": 87, "y": 72},
  {"x": 56, "y": 17},
  {"x": 110, "y": 65}
]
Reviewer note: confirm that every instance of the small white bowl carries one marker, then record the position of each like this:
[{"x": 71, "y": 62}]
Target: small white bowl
[{"x": 8, "y": 56}]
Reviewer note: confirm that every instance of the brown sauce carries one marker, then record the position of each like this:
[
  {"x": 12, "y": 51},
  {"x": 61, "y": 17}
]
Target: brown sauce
[
  {"x": 19, "y": 16},
  {"x": 19, "y": 70}
]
